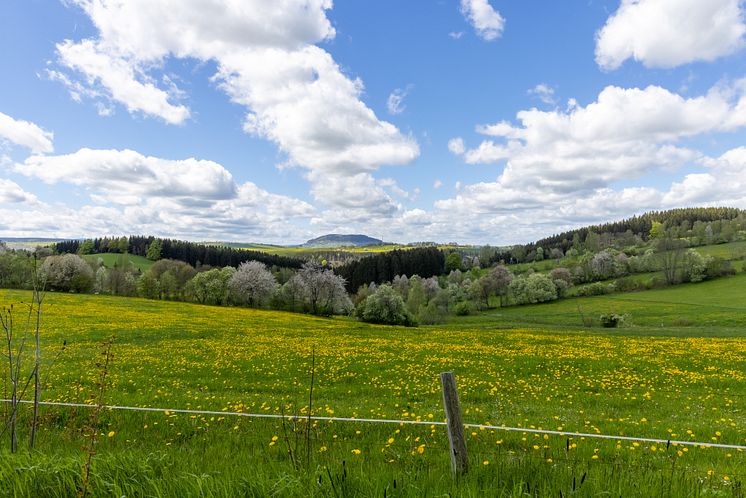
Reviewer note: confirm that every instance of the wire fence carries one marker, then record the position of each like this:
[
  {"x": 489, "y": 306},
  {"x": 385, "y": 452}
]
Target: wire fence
[{"x": 392, "y": 421}]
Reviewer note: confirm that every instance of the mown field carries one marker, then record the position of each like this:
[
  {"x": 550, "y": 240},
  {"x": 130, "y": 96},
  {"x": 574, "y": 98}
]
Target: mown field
[
  {"x": 677, "y": 370},
  {"x": 112, "y": 259}
]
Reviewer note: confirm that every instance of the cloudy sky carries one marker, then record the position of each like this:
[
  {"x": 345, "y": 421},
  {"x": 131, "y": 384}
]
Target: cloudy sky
[{"x": 477, "y": 121}]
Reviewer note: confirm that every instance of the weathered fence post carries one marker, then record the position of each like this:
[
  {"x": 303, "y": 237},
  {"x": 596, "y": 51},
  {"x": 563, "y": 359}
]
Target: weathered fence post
[{"x": 455, "y": 424}]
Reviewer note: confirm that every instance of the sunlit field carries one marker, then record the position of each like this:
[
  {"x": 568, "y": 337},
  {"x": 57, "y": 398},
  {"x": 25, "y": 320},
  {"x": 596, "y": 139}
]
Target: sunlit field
[{"x": 633, "y": 381}]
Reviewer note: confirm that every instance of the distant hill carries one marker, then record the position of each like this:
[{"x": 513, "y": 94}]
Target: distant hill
[{"x": 338, "y": 240}]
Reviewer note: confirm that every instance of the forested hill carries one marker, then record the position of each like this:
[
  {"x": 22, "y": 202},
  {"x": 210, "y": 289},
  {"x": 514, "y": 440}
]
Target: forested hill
[
  {"x": 639, "y": 226},
  {"x": 190, "y": 252},
  {"x": 336, "y": 240}
]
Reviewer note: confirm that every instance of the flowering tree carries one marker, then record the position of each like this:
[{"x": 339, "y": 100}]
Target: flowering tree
[{"x": 252, "y": 284}]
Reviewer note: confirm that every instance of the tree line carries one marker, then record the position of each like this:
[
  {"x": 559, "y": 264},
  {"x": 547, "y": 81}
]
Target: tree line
[
  {"x": 193, "y": 253},
  {"x": 383, "y": 267},
  {"x": 639, "y": 225}
]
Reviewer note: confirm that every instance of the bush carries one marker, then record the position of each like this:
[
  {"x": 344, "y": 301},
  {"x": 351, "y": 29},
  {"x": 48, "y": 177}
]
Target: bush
[
  {"x": 595, "y": 289},
  {"x": 628, "y": 284},
  {"x": 610, "y": 320},
  {"x": 433, "y": 314},
  {"x": 385, "y": 306},
  {"x": 464, "y": 308},
  {"x": 536, "y": 288}
]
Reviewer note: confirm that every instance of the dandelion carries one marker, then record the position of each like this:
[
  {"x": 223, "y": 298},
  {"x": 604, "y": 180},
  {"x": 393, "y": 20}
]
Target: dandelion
[
  {"x": 356, "y": 451},
  {"x": 111, "y": 434},
  {"x": 486, "y": 462}
]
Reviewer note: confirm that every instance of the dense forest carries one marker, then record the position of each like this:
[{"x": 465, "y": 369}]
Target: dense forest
[
  {"x": 193, "y": 253},
  {"x": 383, "y": 267}
]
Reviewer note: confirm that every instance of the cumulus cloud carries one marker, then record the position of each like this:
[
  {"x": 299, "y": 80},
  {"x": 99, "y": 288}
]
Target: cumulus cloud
[
  {"x": 11, "y": 193},
  {"x": 295, "y": 94},
  {"x": 669, "y": 33},
  {"x": 134, "y": 193},
  {"x": 359, "y": 198},
  {"x": 561, "y": 169},
  {"x": 128, "y": 177},
  {"x": 623, "y": 134},
  {"x": 723, "y": 183},
  {"x": 25, "y": 134},
  {"x": 487, "y": 22}
]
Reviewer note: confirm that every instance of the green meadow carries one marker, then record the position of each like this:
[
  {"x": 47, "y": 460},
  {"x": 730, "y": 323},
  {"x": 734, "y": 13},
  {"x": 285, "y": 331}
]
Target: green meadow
[
  {"x": 111, "y": 260},
  {"x": 674, "y": 370}
]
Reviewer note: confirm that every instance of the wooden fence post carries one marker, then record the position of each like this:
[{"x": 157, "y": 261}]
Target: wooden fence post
[{"x": 455, "y": 424}]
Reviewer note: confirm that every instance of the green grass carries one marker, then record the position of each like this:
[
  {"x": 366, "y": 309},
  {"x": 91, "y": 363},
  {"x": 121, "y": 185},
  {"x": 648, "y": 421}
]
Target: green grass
[
  {"x": 731, "y": 250},
  {"x": 111, "y": 259},
  {"x": 531, "y": 366},
  {"x": 711, "y": 308}
]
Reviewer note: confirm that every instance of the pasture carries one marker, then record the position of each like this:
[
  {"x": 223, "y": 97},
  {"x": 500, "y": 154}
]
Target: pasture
[
  {"x": 524, "y": 367},
  {"x": 128, "y": 260}
]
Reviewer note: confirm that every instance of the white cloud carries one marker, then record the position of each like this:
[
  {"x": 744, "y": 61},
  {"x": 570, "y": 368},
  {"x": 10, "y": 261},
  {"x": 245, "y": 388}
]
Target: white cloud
[
  {"x": 127, "y": 83},
  {"x": 724, "y": 183},
  {"x": 437, "y": 184},
  {"x": 295, "y": 93},
  {"x": 544, "y": 93},
  {"x": 128, "y": 177},
  {"x": 562, "y": 167},
  {"x": 11, "y": 193},
  {"x": 133, "y": 193},
  {"x": 487, "y": 22},
  {"x": 456, "y": 34},
  {"x": 395, "y": 102},
  {"x": 669, "y": 33},
  {"x": 456, "y": 146},
  {"x": 359, "y": 197},
  {"x": 623, "y": 134},
  {"x": 25, "y": 134}
]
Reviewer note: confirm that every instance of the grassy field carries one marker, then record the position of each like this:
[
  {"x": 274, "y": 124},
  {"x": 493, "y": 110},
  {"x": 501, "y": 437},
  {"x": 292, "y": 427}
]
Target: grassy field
[
  {"x": 706, "y": 309},
  {"x": 531, "y": 367},
  {"x": 305, "y": 252},
  {"x": 111, "y": 259}
]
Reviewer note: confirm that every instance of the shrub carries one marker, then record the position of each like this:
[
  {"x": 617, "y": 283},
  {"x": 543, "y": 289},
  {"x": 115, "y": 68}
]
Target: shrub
[
  {"x": 595, "y": 289},
  {"x": 432, "y": 314},
  {"x": 536, "y": 288},
  {"x": 610, "y": 320},
  {"x": 385, "y": 306},
  {"x": 464, "y": 308}
]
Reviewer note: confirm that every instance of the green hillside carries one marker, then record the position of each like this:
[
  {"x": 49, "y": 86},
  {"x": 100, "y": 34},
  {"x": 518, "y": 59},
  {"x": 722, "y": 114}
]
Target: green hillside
[
  {"x": 711, "y": 308},
  {"x": 111, "y": 259}
]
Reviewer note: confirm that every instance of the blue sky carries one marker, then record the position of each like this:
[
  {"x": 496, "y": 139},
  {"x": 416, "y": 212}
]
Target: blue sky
[{"x": 477, "y": 121}]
